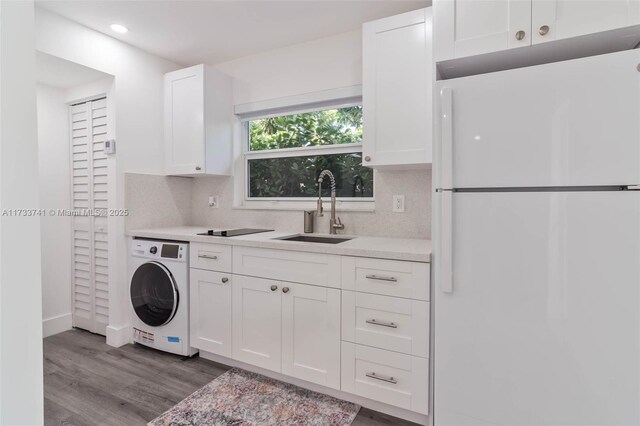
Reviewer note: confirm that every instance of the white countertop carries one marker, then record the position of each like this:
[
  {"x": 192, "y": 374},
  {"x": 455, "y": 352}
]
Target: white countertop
[{"x": 410, "y": 249}]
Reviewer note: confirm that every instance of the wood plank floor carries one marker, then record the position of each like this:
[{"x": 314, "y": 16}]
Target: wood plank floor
[{"x": 88, "y": 383}]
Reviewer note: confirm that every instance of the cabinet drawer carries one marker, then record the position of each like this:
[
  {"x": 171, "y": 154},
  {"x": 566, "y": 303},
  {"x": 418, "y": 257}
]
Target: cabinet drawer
[
  {"x": 389, "y": 377},
  {"x": 388, "y": 277},
  {"x": 297, "y": 267},
  {"x": 392, "y": 323},
  {"x": 213, "y": 257}
]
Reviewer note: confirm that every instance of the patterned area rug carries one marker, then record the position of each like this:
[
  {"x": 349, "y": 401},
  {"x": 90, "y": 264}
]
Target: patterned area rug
[{"x": 239, "y": 397}]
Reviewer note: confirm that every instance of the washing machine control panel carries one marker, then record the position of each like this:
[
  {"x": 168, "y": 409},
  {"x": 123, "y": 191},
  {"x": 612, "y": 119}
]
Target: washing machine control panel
[{"x": 160, "y": 250}]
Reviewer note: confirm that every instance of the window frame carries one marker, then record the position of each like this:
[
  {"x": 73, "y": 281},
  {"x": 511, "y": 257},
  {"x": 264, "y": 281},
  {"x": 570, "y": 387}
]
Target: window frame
[{"x": 364, "y": 204}]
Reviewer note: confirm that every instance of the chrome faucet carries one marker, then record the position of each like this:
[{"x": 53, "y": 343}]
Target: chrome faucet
[{"x": 334, "y": 223}]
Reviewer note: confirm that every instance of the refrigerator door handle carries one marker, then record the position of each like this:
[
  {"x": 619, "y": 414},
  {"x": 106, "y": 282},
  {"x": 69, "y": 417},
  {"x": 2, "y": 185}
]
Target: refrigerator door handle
[
  {"x": 446, "y": 242},
  {"x": 446, "y": 145}
]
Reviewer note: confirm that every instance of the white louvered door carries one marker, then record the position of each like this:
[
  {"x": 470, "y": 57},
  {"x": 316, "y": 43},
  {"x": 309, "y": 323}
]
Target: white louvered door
[{"x": 89, "y": 195}]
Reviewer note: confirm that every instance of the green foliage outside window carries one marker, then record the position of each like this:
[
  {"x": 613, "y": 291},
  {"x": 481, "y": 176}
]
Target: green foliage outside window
[
  {"x": 328, "y": 127},
  {"x": 297, "y": 176}
]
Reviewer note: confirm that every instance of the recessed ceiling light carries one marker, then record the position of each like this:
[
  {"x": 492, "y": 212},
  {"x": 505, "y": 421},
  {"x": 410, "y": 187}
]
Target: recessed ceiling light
[{"x": 119, "y": 28}]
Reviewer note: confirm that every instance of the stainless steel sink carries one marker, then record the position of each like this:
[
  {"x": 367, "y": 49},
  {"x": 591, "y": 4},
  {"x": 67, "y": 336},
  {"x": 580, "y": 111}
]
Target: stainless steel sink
[{"x": 314, "y": 239}]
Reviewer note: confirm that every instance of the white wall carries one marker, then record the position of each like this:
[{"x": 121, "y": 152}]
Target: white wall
[
  {"x": 322, "y": 64},
  {"x": 146, "y": 195},
  {"x": 315, "y": 66},
  {"x": 21, "y": 389},
  {"x": 55, "y": 193},
  {"x": 54, "y": 170},
  {"x": 185, "y": 200},
  {"x": 138, "y": 99}
]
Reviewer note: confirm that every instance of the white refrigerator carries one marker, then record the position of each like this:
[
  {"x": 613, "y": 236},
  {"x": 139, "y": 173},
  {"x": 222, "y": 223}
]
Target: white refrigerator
[{"x": 537, "y": 245}]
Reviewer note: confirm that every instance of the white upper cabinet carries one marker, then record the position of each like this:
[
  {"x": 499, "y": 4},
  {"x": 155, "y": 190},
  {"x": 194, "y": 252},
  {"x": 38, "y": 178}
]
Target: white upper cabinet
[
  {"x": 472, "y": 27},
  {"x": 198, "y": 122},
  {"x": 396, "y": 91},
  {"x": 560, "y": 19},
  {"x": 465, "y": 28}
]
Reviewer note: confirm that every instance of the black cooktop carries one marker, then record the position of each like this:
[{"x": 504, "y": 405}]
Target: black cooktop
[{"x": 234, "y": 232}]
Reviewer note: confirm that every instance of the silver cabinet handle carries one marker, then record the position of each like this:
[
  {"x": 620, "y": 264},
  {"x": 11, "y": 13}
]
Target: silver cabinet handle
[
  {"x": 367, "y": 158},
  {"x": 520, "y": 35},
  {"x": 374, "y": 321},
  {"x": 225, "y": 280},
  {"x": 543, "y": 30},
  {"x": 274, "y": 287},
  {"x": 285, "y": 289},
  {"x": 381, "y": 278},
  {"x": 198, "y": 168},
  {"x": 207, "y": 256},
  {"x": 382, "y": 378}
]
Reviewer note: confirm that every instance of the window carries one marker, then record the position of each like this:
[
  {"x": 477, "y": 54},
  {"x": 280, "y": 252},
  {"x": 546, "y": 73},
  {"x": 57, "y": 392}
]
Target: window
[{"x": 284, "y": 155}]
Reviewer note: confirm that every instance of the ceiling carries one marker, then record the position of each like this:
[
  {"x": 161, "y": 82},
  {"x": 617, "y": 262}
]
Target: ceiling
[
  {"x": 191, "y": 32},
  {"x": 63, "y": 74}
]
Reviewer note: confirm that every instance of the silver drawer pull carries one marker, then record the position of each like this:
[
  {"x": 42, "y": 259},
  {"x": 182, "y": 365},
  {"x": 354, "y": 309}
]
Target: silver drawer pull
[
  {"x": 383, "y": 378},
  {"x": 382, "y": 323},
  {"x": 381, "y": 278},
  {"x": 206, "y": 256}
]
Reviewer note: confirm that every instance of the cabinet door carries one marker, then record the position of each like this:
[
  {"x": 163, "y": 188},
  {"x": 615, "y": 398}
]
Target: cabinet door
[
  {"x": 397, "y": 74},
  {"x": 210, "y": 311},
  {"x": 257, "y": 322},
  {"x": 311, "y": 333},
  {"x": 472, "y": 27},
  {"x": 184, "y": 121},
  {"x": 558, "y": 19}
]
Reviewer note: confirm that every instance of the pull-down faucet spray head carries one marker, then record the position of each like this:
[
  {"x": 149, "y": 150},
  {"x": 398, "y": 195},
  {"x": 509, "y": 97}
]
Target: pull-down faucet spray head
[{"x": 333, "y": 190}]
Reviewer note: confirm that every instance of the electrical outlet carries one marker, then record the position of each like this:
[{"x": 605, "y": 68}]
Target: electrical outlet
[
  {"x": 214, "y": 201},
  {"x": 398, "y": 203}
]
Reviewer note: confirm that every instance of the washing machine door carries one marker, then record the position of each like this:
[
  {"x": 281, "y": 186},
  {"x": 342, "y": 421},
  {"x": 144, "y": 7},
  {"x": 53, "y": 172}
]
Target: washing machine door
[{"x": 154, "y": 294}]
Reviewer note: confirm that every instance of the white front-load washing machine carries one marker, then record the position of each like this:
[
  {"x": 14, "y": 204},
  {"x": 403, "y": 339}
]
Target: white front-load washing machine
[{"x": 159, "y": 294}]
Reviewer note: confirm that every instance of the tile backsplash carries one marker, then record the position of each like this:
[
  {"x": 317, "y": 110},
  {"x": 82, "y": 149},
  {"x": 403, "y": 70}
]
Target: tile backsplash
[{"x": 158, "y": 201}]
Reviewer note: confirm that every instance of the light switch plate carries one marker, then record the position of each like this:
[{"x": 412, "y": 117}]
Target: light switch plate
[
  {"x": 109, "y": 147},
  {"x": 398, "y": 203}
]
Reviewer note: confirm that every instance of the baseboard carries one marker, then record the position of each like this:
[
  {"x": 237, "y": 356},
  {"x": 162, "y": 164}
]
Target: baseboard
[
  {"x": 119, "y": 336},
  {"x": 364, "y": 402},
  {"x": 57, "y": 324}
]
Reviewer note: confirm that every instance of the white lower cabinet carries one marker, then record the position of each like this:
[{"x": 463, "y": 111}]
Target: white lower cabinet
[
  {"x": 400, "y": 325},
  {"x": 257, "y": 317},
  {"x": 213, "y": 257},
  {"x": 358, "y": 325},
  {"x": 290, "y": 266},
  {"x": 210, "y": 311},
  {"x": 293, "y": 329},
  {"x": 311, "y": 333},
  {"x": 387, "y": 277},
  {"x": 390, "y": 377}
]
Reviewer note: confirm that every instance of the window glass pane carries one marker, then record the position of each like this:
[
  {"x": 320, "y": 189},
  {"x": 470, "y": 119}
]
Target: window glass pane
[
  {"x": 328, "y": 127},
  {"x": 298, "y": 176}
]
